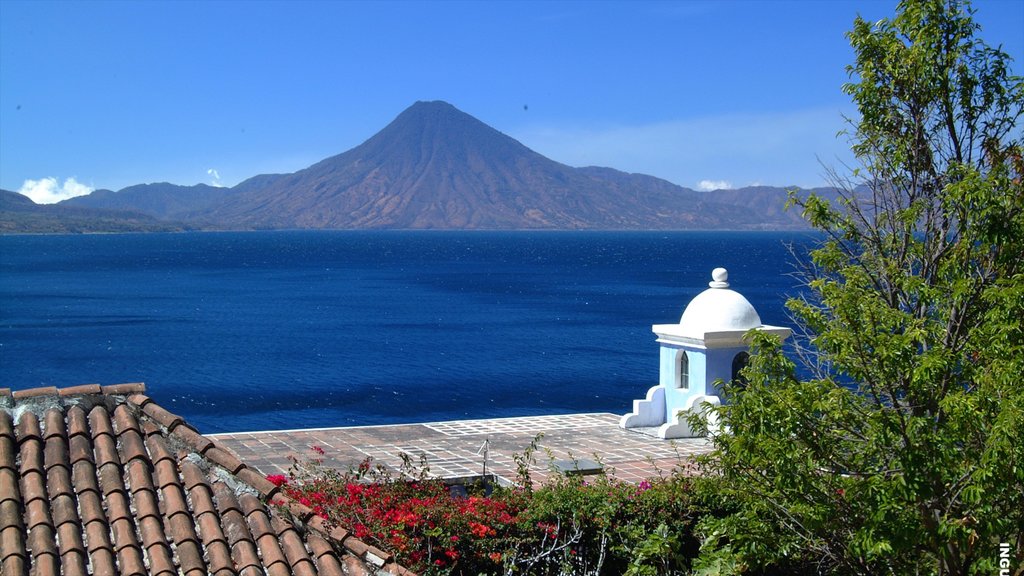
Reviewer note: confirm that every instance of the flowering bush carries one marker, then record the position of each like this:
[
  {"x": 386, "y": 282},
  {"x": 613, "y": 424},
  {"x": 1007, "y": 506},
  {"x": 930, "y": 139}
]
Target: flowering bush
[{"x": 567, "y": 526}]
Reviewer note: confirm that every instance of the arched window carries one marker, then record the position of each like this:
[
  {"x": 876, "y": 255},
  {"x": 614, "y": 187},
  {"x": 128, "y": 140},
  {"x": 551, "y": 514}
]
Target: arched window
[
  {"x": 739, "y": 362},
  {"x": 682, "y": 370}
]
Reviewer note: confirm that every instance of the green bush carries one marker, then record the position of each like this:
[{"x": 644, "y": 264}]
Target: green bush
[{"x": 570, "y": 525}]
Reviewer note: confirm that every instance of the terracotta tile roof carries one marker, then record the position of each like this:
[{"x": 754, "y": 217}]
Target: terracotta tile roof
[{"x": 102, "y": 480}]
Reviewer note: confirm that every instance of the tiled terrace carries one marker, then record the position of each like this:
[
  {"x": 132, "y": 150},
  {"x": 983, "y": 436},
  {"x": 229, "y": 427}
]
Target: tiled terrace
[{"x": 455, "y": 448}]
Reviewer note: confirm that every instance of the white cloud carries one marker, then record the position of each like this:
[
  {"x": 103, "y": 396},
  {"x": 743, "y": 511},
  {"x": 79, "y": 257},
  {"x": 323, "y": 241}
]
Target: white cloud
[
  {"x": 49, "y": 190},
  {"x": 709, "y": 185},
  {"x": 216, "y": 177}
]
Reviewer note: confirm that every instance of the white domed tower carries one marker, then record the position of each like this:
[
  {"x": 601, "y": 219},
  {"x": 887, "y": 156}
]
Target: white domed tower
[{"x": 705, "y": 347}]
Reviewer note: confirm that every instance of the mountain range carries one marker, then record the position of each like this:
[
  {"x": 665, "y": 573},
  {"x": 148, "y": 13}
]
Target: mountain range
[{"x": 432, "y": 167}]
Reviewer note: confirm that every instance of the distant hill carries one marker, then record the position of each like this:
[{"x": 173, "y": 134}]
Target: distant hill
[
  {"x": 435, "y": 167},
  {"x": 162, "y": 200},
  {"x": 19, "y": 214}
]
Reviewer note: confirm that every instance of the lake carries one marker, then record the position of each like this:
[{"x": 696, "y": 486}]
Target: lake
[{"x": 274, "y": 330}]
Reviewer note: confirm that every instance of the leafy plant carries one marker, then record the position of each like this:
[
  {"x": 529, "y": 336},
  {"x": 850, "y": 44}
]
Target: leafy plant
[
  {"x": 566, "y": 526},
  {"x": 897, "y": 450}
]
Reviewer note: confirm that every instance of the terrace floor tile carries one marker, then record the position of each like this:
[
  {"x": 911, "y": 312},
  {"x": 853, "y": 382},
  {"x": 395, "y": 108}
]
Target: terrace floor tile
[{"x": 456, "y": 448}]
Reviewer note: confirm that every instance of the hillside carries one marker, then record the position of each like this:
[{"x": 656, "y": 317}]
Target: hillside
[
  {"x": 161, "y": 200},
  {"x": 436, "y": 167},
  {"x": 19, "y": 214}
]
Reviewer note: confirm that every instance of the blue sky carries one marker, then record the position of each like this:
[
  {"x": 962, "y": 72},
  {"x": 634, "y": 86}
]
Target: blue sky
[{"x": 704, "y": 94}]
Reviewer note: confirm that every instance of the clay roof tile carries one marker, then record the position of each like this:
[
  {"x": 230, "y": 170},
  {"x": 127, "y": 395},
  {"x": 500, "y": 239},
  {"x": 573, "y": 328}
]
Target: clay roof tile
[
  {"x": 57, "y": 457},
  {"x": 192, "y": 475},
  {"x": 190, "y": 557},
  {"x": 54, "y": 424},
  {"x": 130, "y": 562},
  {"x": 339, "y": 534},
  {"x": 158, "y": 450},
  {"x": 9, "y": 537},
  {"x": 78, "y": 421},
  {"x": 139, "y": 399},
  {"x": 72, "y": 549},
  {"x": 219, "y": 557},
  {"x": 225, "y": 498},
  {"x": 146, "y": 504},
  {"x": 123, "y": 529},
  {"x": 354, "y": 567},
  {"x": 109, "y": 482},
  {"x": 223, "y": 458},
  {"x": 28, "y": 427},
  {"x": 80, "y": 448},
  {"x": 299, "y": 511},
  {"x": 14, "y": 565},
  {"x": 64, "y": 510},
  {"x": 83, "y": 390},
  {"x": 8, "y": 458},
  {"x": 325, "y": 557},
  {"x": 294, "y": 549},
  {"x": 139, "y": 477},
  {"x": 124, "y": 420},
  {"x": 6, "y": 425},
  {"x": 264, "y": 535},
  {"x": 34, "y": 392},
  {"x": 162, "y": 416},
  {"x": 157, "y": 548},
  {"x": 194, "y": 439},
  {"x": 356, "y": 546},
  {"x": 33, "y": 487},
  {"x": 83, "y": 475},
  {"x": 12, "y": 531},
  {"x": 101, "y": 551},
  {"x": 42, "y": 543},
  {"x": 9, "y": 490},
  {"x": 99, "y": 423},
  {"x": 91, "y": 509},
  {"x": 10, "y": 514},
  {"x": 58, "y": 483},
  {"x": 210, "y": 529},
  {"x": 173, "y": 501},
  {"x": 37, "y": 513},
  {"x": 124, "y": 389}
]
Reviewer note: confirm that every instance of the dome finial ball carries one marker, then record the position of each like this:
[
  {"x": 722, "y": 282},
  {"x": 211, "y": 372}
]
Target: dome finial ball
[{"x": 720, "y": 278}]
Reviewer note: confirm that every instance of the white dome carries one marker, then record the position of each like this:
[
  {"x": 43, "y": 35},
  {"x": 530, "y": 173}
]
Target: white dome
[{"x": 718, "y": 309}]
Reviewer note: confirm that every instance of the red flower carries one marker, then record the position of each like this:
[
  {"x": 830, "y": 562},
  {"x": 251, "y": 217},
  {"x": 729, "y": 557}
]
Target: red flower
[
  {"x": 479, "y": 530},
  {"x": 278, "y": 479},
  {"x": 317, "y": 449}
]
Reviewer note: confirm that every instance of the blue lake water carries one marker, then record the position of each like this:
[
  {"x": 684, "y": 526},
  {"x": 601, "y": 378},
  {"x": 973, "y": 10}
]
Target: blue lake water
[{"x": 274, "y": 330}]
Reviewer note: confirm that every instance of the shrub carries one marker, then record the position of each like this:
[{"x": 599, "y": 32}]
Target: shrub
[{"x": 567, "y": 526}]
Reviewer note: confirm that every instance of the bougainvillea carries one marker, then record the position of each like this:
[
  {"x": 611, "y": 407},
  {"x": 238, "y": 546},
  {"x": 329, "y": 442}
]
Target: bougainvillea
[{"x": 567, "y": 526}]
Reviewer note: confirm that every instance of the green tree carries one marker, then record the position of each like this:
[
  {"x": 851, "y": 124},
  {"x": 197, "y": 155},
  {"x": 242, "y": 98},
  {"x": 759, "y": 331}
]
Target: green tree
[{"x": 898, "y": 448}]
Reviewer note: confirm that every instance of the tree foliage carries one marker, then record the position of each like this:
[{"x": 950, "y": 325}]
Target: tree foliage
[{"x": 899, "y": 447}]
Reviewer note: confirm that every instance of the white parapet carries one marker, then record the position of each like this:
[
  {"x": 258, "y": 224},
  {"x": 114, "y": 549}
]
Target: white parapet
[
  {"x": 680, "y": 428},
  {"x": 647, "y": 413}
]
